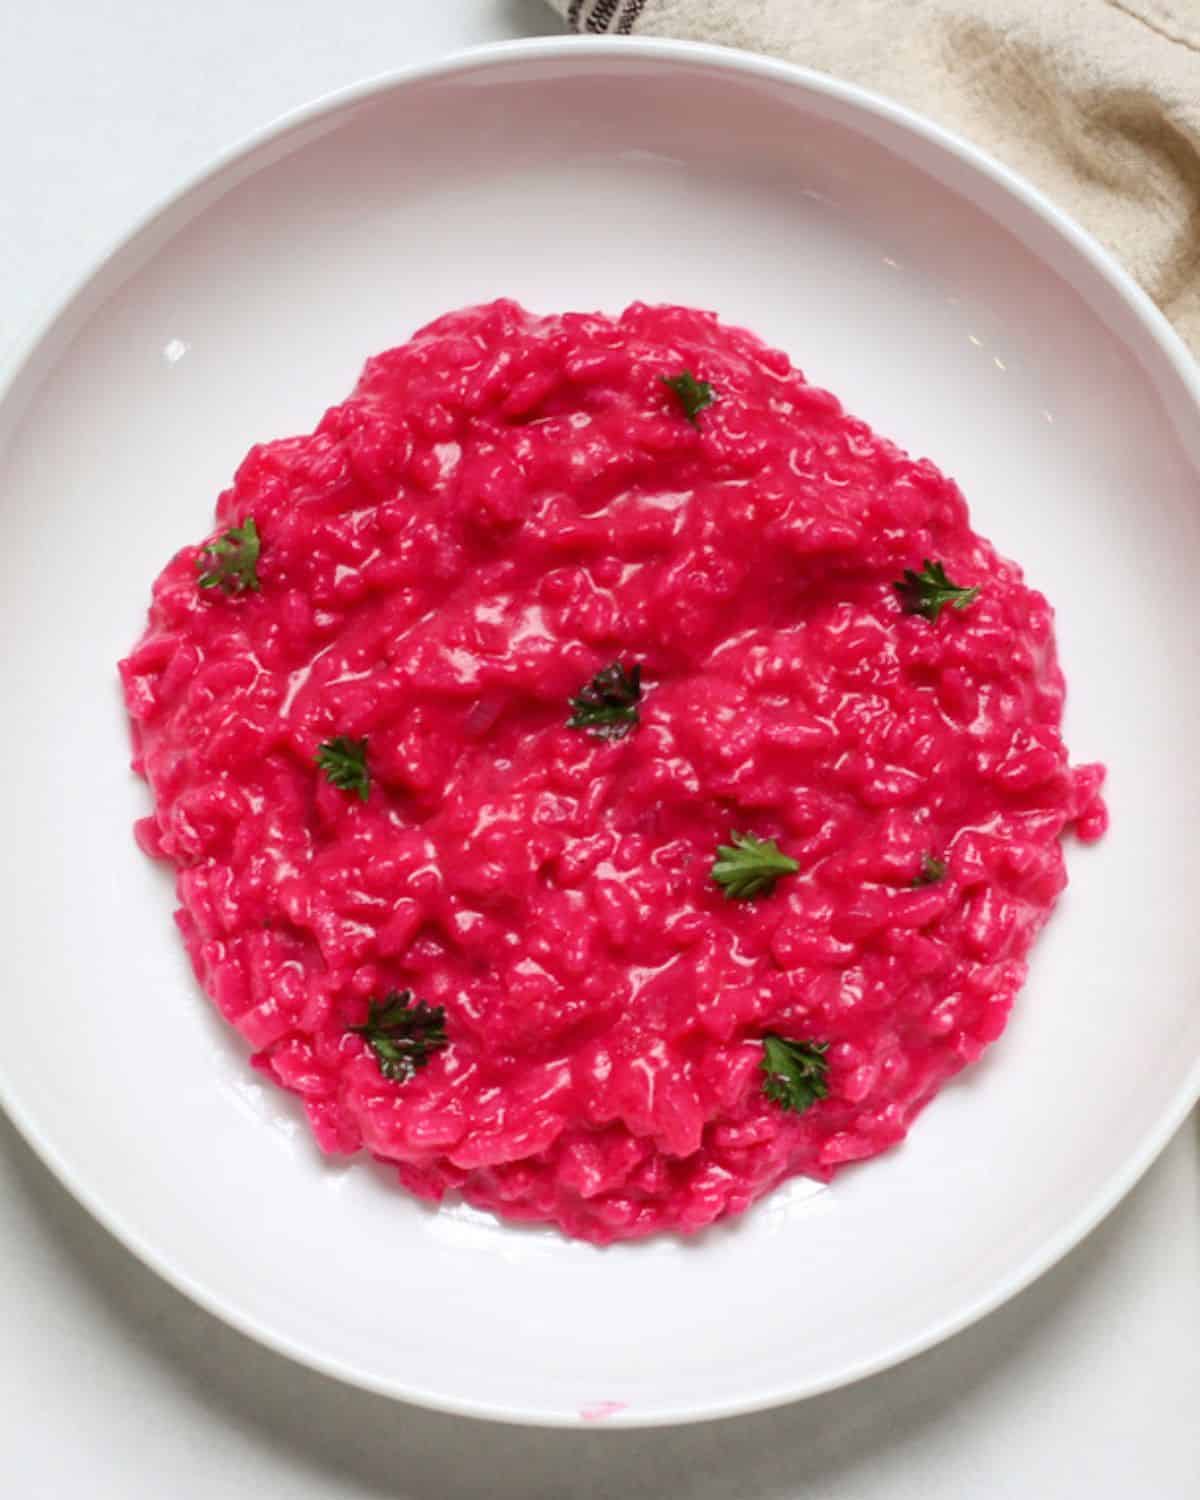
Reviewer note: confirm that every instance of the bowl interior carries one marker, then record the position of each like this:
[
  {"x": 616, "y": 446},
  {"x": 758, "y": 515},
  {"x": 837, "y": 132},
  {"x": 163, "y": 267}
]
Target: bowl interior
[{"x": 942, "y": 308}]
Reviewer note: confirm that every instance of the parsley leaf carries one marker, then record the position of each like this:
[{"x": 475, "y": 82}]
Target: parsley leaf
[
  {"x": 694, "y": 395},
  {"x": 607, "y": 706},
  {"x": 344, "y": 762},
  {"x": 932, "y": 870},
  {"x": 927, "y": 592},
  {"x": 794, "y": 1073},
  {"x": 403, "y": 1036},
  {"x": 749, "y": 867},
  {"x": 232, "y": 560}
]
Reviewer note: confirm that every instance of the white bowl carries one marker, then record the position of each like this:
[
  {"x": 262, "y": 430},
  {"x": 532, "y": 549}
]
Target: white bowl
[{"x": 945, "y": 302}]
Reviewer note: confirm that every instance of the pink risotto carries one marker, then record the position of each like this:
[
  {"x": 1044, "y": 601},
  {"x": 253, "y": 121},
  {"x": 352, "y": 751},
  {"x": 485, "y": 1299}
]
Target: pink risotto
[{"x": 603, "y": 778}]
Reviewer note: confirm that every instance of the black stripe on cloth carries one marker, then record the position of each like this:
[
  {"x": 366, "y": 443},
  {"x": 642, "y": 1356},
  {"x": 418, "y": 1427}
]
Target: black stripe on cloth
[
  {"x": 629, "y": 20},
  {"x": 602, "y": 15}
]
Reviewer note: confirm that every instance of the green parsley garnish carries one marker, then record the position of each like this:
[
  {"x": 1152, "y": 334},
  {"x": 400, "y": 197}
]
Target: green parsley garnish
[
  {"x": 607, "y": 706},
  {"x": 794, "y": 1073},
  {"x": 932, "y": 870},
  {"x": 232, "y": 560},
  {"x": 927, "y": 592},
  {"x": 694, "y": 395},
  {"x": 403, "y": 1036},
  {"x": 749, "y": 867},
  {"x": 344, "y": 762}
]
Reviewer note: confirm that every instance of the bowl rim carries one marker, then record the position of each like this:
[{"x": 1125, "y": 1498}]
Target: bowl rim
[{"x": 33, "y": 354}]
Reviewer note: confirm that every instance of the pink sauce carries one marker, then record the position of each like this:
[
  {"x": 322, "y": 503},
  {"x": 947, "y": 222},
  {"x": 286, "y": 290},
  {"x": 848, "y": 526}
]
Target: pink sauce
[{"x": 505, "y": 506}]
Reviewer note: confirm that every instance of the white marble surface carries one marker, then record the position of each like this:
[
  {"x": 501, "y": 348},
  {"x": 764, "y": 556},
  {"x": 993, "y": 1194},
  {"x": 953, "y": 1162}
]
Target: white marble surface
[{"x": 113, "y": 1387}]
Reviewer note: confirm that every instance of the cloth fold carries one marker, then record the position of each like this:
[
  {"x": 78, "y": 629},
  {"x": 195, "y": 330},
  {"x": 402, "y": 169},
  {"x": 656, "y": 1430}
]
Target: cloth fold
[{"x": 1097, "y": 102}]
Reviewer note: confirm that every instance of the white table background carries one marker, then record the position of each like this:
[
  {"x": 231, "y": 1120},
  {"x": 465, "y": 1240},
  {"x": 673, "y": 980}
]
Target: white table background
[{"x": 112, "y": 1385}]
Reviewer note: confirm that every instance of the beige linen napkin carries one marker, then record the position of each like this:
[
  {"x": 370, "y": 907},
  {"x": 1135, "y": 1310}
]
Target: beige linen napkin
[{"x": 1095, "y": 101}]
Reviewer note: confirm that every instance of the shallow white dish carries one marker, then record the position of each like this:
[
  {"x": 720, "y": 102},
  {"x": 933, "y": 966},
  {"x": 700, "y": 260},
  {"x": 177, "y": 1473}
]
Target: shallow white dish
[{"x": 944, "y": 302}]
